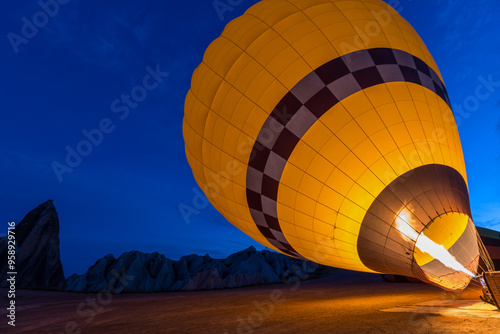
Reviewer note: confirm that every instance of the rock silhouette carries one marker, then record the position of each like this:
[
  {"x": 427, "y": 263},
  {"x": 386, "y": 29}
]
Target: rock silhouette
[
  {"x": 38, "y": 262},
  {"x": 140, "y": 272},
  {"x": 38, "y": 265}
]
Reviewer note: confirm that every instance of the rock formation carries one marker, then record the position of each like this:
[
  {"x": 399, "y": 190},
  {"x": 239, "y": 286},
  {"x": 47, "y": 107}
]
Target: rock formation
[
  {"x": 38, "y": 263},
  {"x": 140, "y": 272}
]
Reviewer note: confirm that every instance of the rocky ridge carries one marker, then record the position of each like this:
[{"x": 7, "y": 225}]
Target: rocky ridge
[
  {"x": 39, "y": 266},
  {"x": 38, "y": 261},
  {"x": 140, "y": 272}
]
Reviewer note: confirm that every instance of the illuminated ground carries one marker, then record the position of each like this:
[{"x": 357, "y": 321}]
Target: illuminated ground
[{"x": 344, "y": 303}]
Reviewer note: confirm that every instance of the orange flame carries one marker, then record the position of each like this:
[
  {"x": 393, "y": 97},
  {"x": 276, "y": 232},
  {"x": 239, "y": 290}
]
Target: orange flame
[{"x": 428, "y": 246}]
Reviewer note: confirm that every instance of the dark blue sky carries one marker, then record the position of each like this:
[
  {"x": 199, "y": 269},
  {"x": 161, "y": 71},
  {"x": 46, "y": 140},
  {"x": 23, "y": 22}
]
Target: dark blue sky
[{"x": 74, "y": 75}]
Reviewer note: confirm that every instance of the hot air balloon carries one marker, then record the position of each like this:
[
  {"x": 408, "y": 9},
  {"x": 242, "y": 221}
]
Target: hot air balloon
[{"x": 323, "y": 130}]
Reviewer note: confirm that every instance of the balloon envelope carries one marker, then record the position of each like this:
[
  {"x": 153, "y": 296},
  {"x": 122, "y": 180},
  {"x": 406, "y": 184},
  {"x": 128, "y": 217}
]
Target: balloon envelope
[{"x": 323, "y": 130}]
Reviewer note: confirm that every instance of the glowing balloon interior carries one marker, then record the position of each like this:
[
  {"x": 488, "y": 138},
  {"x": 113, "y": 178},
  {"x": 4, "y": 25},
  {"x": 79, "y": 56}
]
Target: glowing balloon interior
[{"x": 323, "y": 130}]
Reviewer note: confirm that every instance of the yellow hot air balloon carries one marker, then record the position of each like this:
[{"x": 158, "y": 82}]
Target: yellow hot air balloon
[{"x": 323, "y": 130}]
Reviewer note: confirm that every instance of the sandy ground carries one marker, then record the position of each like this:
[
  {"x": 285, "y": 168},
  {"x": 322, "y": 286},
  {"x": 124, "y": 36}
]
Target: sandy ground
[{"x": 343, "y": 303}]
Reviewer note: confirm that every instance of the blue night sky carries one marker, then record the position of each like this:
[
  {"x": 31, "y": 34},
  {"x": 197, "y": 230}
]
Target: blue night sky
[{"x": 74, "y": 73}]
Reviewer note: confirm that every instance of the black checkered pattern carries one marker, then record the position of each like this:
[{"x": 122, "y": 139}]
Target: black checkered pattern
[{"x": 313, "y": 96}]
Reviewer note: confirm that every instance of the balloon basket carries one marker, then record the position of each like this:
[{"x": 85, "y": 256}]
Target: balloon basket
[{"x": 490, "y": 282}]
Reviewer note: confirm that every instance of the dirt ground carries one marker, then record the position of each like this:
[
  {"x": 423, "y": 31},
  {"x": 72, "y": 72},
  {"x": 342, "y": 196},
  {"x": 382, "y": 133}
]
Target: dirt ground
[{"x": 346, "y": 302}]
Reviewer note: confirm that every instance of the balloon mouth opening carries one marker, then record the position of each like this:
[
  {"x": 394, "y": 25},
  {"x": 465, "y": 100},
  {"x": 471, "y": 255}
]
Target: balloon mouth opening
[{"x": 446, "y": 257}]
